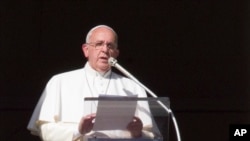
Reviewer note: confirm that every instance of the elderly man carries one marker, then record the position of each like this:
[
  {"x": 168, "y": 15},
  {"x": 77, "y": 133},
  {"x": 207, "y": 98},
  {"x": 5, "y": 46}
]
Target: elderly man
[{"x": 60, "y": 113}]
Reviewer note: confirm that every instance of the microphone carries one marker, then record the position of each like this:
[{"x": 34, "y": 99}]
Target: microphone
[{"x": 113, "y": 62}]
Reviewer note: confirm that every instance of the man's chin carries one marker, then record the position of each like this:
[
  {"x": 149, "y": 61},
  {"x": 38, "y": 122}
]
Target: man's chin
[{"x": 104, "y": 67}]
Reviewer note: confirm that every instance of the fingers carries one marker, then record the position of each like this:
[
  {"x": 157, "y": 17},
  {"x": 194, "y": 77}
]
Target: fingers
[
  {"x": 90, "y": 116},
  {"x": 135, "y": 127},
  {"x": 86, "y": 124},
  {"x": 136, "y": 122}
]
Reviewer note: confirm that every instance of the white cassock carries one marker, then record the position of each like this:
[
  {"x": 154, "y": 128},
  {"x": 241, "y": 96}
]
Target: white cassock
[{"x": 61, "y": 105}]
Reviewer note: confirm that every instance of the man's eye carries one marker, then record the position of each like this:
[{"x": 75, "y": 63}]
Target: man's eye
[
  {"x": 111, "y": 46},
  {"x": 98, "y": 44}
]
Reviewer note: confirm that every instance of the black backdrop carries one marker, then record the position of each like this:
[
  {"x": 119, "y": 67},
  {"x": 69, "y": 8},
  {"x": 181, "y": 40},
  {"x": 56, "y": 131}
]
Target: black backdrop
[{"x": 194, "y": 52}]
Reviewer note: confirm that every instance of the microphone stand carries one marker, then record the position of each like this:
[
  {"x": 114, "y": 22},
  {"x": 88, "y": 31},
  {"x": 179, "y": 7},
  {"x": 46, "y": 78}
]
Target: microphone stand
[{"x": 113, "y": 62}]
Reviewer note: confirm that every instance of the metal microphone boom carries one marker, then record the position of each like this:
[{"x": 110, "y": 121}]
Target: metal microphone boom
[{"x": 113, "y": 62}]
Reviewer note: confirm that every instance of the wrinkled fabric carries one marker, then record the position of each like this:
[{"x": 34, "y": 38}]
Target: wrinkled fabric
[{"x": 62, "y": 100}]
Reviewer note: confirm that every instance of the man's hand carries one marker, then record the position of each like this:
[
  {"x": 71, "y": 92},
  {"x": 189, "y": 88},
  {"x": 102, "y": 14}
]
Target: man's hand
[
  {"x": 86, "y": 124},
  {"x": 135, "y": 127}
]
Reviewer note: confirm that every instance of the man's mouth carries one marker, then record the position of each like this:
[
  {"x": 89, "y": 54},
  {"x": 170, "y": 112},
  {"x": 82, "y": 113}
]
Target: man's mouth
[{"x": 104, "y": 58}]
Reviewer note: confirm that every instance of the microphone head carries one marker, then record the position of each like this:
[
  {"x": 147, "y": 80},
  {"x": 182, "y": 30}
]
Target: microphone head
[{"x": 112, "y": 61}]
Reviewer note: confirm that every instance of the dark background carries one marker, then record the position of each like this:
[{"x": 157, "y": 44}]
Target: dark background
[{"x": 196, "y": 52}]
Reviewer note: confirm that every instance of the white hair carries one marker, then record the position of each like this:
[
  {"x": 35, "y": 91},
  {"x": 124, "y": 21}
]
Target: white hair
[{"x": 100, "y": 26}]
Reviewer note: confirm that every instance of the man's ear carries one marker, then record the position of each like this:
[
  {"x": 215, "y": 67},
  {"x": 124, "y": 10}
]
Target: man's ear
[{"x": 85, "y": 50}]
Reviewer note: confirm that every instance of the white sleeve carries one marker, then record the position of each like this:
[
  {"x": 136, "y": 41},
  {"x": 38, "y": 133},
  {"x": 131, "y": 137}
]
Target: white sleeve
[
  {"x": 143, "y": 110},
  {"x": 59, "y": 132},
  {"x": 44, "y": 110}
]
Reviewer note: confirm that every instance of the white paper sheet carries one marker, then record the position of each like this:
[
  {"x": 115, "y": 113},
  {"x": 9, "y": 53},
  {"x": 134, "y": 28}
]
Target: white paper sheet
[{"x": 114, "y": 114}]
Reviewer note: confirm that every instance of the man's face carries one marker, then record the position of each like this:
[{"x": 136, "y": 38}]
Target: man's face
[{"x": 101, "y": 46}]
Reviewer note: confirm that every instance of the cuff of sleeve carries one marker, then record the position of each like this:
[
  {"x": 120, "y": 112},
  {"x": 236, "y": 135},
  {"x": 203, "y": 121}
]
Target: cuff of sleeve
[{"x": 77, "y": 136}]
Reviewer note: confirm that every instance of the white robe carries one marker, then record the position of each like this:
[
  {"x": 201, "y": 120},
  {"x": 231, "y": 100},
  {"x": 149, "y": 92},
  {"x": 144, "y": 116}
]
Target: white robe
[{"x": 62, "y": 102}]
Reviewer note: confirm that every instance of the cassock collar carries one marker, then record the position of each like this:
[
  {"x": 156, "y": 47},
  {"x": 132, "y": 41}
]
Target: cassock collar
[{"x": 94, "y": 73}]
